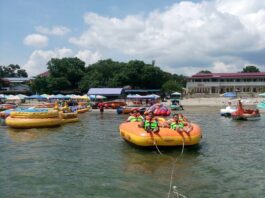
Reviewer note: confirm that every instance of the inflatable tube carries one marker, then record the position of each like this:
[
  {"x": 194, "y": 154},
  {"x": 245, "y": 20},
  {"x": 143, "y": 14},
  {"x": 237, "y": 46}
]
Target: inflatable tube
[
  {"x": 5, "y": 114},
  {"x": 34, "y": 115},
  {"x": 83, "y": 110},
  {"x": 165, "y": 137},
  {"x": 70, "y": 120},
  {"x": 33, "y": 123},
  {"x": 68, "y": 115}
]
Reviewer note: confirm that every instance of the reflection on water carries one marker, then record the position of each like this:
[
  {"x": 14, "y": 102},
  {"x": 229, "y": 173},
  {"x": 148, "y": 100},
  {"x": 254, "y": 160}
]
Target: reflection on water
[
  {"x": 25, "y": 135},
  {"x": 90, "y": 159}
]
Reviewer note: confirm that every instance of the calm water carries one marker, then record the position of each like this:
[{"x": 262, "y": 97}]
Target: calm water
[{"x": 89, "y": 159}]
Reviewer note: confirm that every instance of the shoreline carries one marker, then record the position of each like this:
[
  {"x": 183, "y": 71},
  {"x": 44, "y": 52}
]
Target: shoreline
[{"x": 216, "y": 102}]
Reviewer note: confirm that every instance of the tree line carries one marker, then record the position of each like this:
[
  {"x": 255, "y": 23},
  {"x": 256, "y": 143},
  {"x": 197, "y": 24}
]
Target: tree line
[
  {"x": 247, "y": 69},
  {"x": 71, "y": 74},
  {"x": 11, "y": 71}
]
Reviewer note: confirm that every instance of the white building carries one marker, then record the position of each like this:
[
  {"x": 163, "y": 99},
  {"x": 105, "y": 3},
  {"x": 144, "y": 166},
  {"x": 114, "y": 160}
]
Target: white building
[{"x": 226, "y": 82}]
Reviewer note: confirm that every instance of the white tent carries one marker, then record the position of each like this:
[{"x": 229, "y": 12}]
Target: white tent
[{"x": 176, "y": 93}]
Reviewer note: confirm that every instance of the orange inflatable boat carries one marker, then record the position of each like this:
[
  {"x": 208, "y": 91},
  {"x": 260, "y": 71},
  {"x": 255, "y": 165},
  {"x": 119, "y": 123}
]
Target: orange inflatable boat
[{"x": 130, "y": 132}]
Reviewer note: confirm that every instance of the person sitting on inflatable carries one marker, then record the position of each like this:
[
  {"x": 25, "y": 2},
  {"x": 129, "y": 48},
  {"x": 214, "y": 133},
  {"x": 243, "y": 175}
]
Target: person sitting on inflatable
[
  {"x": 179, "y": 123},
  {"x": 175, "y": 124},
  {"x": 150, "y": 124},
  {"x": 188, "y": 127},
  {"x": 135, "y": 116},
  {"x": 66, "y": 108}
]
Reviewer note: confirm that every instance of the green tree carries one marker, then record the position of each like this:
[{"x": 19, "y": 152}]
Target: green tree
[
  {"x": 41, "y": 85},
  {"x": 250, "y": 68},
  {"x": 22, "y": 73},
  {"x": 12, "y": 71},
  {"x": 71, "y": 69},
  {"x": 204, "y": 72},
  {"x": 172, "y": 86}
]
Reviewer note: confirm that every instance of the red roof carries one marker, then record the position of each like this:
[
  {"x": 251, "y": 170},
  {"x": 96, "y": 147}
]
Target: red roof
[
  {"x": 229, "y": 75},
  {"x": 44, "y": 74}
]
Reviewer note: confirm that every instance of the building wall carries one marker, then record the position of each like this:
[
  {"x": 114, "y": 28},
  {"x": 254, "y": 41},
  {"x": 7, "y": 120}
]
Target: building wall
[{"x": 220, "y": 86}]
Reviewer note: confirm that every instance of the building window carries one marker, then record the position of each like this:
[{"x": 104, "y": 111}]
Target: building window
[{"x": 254, "y": 89}]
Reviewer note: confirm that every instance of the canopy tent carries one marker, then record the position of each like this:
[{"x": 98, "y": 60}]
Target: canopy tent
[
  {"x": 105, "y": 91},
  {"x": 229, "y": 95},
  {"x": 262, "y": 94}
]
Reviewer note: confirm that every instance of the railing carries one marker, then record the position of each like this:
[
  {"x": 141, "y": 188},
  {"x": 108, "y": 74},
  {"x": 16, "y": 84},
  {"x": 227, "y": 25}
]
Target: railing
[{"x": 220, "y": 84}]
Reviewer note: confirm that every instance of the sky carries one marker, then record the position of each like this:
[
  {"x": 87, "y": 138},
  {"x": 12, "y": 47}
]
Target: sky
[{"x": 183, "y": 37}]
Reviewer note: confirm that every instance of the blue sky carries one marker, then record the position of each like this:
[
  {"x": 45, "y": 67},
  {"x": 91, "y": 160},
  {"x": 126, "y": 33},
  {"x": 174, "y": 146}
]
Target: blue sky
[{"x": 182, "y": 36}]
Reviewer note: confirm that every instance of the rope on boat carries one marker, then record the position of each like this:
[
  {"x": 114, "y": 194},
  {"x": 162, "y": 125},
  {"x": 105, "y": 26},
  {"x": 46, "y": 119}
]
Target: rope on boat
[
  {"x": 172, "y": 173},
  {"x": 154, "y": 142},
  {"x": 173, "y": 168},
  {"x": 157, "y": 147}
]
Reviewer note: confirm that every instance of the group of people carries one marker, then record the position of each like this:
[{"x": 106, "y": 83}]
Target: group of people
[{"x": 151, "y": 124}]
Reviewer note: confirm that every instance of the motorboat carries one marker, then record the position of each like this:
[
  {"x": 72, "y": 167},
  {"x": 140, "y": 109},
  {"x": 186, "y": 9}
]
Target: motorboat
[
  {"x": 245, "y": 114},
  {"x": 227, "y": 111}
]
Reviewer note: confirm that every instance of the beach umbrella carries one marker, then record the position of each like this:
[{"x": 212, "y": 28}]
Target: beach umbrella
[
  {"x": 38, "y": 97},
  {"x": 13, "y": 98},
  {"x": 96, "y": 97},
  {"x": 21, "y": 96},
  {"x": 155, "y": 96},
  {"x": 229, "y": 95},
  {"x": 45, "y": 95},
  {"x": 84, "y": 97},
  {"x": 8, "y": 96},
  {"x": 59, "y": 96},
  {"x": 134, "y": 96}
]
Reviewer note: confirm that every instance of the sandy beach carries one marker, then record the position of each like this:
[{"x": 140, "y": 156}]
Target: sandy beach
[{"x": 217, "y": 101}]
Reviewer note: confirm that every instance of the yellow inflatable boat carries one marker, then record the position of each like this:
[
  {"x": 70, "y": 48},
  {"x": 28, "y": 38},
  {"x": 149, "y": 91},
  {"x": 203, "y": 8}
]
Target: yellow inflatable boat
[
  {"x": 130, "y": 132},
  {"x": 83, "y": 110},
  {"x": 33, "y": 123},
  {"x": 69, "y": 117}
]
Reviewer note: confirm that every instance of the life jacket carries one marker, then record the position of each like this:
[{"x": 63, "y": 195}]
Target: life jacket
[
  {"x": 135, "y": 119},
  {"x": 150, "y": 124},
  {"x": 175, "y": 125}
]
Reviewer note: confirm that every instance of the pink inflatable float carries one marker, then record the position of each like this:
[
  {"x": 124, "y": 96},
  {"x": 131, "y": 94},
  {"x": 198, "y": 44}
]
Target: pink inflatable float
[{"x": 159, "y": 110}]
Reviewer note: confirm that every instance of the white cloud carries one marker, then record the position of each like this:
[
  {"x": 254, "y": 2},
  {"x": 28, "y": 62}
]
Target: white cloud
[
  {"x": 36, "y": 40},
  {"x": 203, "y": 34},
  {"x": 37, "y": 62},
  {"x": 88, "y": 56},
  {"x": 56, "y": 30}
]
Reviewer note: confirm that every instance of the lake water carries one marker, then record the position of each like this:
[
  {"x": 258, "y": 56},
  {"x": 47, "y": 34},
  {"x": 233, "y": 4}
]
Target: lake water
[{"x": 89, "y": 159}]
